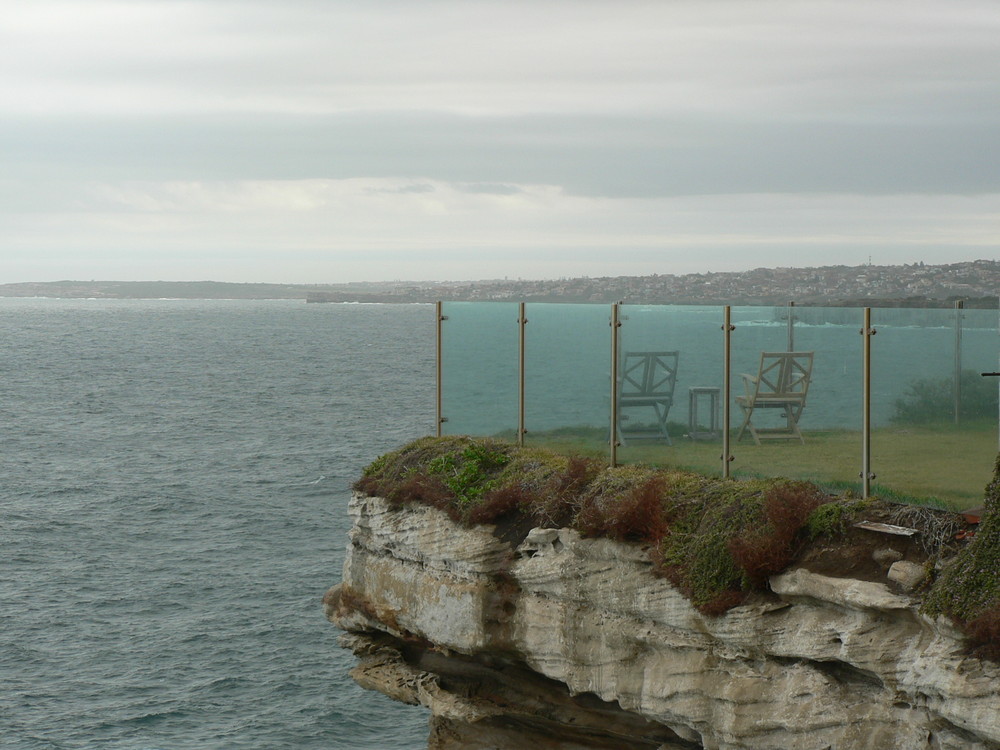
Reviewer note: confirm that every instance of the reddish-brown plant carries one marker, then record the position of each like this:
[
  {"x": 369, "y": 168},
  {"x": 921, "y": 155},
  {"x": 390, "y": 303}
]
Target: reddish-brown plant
[
  {"x": 984, "y": 634},
  {"x": 427, "y": 489},
  {"x": 499, "y": 502},
  {"x": 637, "y": 515},
  {"x": 788, "y": 505},
  {"x": 368, "y": 485},
  {"x": 761, "y": 555},
  {"x": 771, "y": 548},
  {"x": 557, "y": 501}
]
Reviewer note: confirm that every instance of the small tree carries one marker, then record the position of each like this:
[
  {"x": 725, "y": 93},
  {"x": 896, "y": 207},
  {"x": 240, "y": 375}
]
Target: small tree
[{"x": 933, "y": 399}]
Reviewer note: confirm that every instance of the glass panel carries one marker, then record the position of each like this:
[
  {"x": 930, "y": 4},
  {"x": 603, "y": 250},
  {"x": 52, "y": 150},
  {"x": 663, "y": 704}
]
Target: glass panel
[
  {"x": 799, "y": 414},
  {"x": 567, "y": 377},
  {"x": 669, "y": 421},
  {"x": 479, "y": 353},
  {"x": 925, "y": 363}
]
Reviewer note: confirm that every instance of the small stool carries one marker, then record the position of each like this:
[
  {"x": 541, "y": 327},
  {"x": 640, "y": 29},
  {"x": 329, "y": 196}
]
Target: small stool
[{"x": 713, "y": 394}]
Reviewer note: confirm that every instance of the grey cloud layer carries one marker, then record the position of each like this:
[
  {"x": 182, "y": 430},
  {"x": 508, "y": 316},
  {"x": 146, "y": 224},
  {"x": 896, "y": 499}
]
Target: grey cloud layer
[
  {"x": 588, "y": 156},
  {"x": 482, "y": 122}
]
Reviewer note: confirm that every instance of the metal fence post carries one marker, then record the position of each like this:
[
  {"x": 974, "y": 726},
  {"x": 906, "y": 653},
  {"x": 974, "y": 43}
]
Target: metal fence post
[
  {"x": 957, "y": 383},
  {"x": 439, "y": 318},
  {"x": 791, "y": 325},
  {"x": 866, "y": 405},
  {"x": 522, "y": 321},
  {"x": 727, "y": 330},
  {"x": 615, "y": 326}
]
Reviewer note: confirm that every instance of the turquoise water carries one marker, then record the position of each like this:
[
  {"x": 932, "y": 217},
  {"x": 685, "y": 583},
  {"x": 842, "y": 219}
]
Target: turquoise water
[
  {"x": 568, "y": 358},
  {"x": 173, "y": 485}
]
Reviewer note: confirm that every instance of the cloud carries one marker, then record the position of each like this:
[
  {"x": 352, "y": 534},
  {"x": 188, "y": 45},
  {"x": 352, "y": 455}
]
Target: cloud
[
  {"x": 520, "y": 137},
  {"x": 449, "y": 232},
  {"x": 591, "y": 156},
  {"x": 486, "y": 188},
  {"x": 719, "y": 57}
]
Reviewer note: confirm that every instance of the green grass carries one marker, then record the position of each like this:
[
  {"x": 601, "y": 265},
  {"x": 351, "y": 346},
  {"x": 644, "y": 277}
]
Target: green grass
[{"x": 928, "y": 464}]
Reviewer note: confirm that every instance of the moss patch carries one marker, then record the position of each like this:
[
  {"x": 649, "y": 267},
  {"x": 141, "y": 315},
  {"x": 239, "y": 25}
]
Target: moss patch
[{"x": 968, "y": 589}]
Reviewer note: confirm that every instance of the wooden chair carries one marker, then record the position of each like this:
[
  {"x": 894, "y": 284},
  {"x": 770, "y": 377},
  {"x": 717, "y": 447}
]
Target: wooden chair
[
  {"x": 782, "y": 382},
  {"x": 646, "y": 381}
]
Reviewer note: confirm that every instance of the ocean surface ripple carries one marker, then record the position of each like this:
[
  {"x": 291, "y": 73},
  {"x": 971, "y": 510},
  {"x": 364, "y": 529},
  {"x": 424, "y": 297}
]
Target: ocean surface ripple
[{"x": 173, "y": 490}]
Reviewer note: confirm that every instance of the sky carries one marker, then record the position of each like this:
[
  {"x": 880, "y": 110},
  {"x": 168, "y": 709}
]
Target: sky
[{"x": 326, "y": 141}]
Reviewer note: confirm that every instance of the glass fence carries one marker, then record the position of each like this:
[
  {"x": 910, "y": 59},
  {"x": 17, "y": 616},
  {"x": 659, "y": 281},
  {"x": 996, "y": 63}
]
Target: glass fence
[
  {"x": 542, "y": 374},
  {"x": 478, "y": 372}
]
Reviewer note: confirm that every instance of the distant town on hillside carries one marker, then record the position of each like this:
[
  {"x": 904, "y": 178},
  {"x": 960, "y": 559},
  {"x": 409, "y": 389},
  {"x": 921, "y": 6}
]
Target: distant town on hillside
[{"x": 976, "y": 283}]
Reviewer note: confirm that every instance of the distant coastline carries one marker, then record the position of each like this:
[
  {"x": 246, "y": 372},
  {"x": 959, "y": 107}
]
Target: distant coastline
[{"x": 975, "y": 283}]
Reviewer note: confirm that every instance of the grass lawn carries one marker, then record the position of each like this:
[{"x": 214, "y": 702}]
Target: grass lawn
[{"x": 928, "y": 464}]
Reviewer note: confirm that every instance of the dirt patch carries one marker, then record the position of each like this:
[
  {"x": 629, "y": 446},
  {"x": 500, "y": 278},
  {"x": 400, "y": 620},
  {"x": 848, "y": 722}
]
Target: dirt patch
[{"x": 867, "y": 555}]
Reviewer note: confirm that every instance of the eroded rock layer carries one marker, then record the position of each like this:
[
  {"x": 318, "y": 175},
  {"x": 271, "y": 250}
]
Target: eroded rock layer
[{"x": 565, "y": 642}]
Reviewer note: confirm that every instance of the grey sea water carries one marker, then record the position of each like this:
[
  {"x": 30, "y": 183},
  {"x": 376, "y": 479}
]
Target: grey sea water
[
  {"x": 174, "y": 478},
  {"x": 173, "y": 483}
]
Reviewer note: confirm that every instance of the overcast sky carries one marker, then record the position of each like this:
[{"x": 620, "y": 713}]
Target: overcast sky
[{"x": 330, "y": 141}]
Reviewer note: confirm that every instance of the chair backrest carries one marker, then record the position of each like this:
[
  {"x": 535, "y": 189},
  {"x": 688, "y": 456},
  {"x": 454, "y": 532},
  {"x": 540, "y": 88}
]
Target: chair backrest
[
  {"x": 649, "y": 374},
  {"x": 784, "y": 375}
]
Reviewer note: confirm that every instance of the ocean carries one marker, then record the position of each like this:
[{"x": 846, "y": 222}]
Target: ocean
[
  {"x": 174, "y": 478},
  {"x": 567, "y": 352},
  {"x": 173, "y": 488}
]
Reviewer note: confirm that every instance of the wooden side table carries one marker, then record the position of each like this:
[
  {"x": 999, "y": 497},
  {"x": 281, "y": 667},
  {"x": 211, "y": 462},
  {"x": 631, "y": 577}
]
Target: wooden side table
[{"x": 701, "y": 393}]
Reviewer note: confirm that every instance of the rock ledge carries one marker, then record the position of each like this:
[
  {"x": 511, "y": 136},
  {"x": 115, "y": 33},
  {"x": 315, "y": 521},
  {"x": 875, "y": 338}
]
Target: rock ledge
[{"x": 565, "y": 642}]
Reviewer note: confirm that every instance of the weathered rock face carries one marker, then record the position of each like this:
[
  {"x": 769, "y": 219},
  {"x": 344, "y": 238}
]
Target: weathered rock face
[{"x": 565, "y": 642}]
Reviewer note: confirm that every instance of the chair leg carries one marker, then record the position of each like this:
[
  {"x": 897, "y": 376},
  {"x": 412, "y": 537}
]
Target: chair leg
[
  {"x": 661, "y": 420},
  {"x": 746, "y": 424},
  {"x": 792, "y": 417}
]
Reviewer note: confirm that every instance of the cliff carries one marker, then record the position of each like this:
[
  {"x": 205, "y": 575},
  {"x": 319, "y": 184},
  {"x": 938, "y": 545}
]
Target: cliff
[{"x": 554, "y": 640}]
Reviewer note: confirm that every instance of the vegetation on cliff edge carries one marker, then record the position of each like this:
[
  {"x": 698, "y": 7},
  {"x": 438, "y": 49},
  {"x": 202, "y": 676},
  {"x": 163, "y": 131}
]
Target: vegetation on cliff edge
[
  {"x": 968, "y": 589},
  {"x": 716, "y": 540}
]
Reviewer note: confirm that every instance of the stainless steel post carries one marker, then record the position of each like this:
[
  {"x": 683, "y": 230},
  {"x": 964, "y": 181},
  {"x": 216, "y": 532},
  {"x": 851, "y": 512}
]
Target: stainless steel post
[
  {"x": 727, "y": 330},
  {"x": 439, "y": 318},
  {"x": 957, "y": 382},
  {"x": 522, "y": 320},
  {"x": 615, "y": 326},
  {"x": 866, "y": 405},
  {"x": 791, "y": 325}
]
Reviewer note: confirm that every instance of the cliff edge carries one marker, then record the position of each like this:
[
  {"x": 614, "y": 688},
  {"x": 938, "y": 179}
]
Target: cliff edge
[{"x": 555, "y": 640}]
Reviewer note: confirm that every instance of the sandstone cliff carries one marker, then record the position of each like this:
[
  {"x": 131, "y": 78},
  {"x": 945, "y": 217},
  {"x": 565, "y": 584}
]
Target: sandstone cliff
[{"x": 566, "y": 642}]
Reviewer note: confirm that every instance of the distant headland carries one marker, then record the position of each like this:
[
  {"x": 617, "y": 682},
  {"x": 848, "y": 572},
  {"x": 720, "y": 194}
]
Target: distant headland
[{"x": 908, "y": 285}]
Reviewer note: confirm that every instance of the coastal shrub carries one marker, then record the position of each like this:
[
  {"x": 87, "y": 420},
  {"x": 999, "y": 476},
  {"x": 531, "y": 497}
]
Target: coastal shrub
[
  {"x": 718, "y": 553},
  {"x": 557, "y": 500},
  {"x": 699, "y": 565},
  {"x": 968, "y": 589},
  {"x": 716, "y": 540},
  {"x": 419, "y": 487},
  {"x": 831, "y": 519},
  {"x": 983, "y": 633},
  {"x": 932, "y": 399},
  {"x": 501, "y": 502},
  {"x": 633, "y": 513},
  {"x": 767, "y": 549},
  {"x": 470, "y": 473},
  {"x": 389, "y": 471},
  {"x": 542, "y": 486},
  {"x": 695, "y": 555},
  {"x": 449, "y": 473}
]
